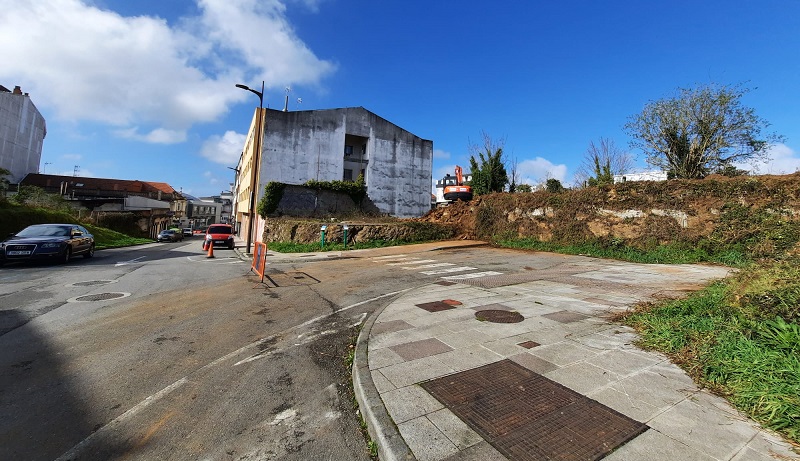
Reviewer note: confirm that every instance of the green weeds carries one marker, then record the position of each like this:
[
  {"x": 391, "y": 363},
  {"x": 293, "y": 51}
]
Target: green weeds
[{"x": 724, "y": 337}]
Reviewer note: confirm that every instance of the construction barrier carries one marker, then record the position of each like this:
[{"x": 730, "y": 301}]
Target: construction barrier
[{"x": 259, "y": 259}]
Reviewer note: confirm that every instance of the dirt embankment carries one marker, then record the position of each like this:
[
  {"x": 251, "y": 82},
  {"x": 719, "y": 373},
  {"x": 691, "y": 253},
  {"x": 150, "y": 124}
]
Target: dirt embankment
[{"x": 759, "y": 211}]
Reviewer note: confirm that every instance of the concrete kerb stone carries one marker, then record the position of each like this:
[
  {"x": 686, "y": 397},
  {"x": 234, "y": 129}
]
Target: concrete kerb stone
[{"x": 381, "y": 427}]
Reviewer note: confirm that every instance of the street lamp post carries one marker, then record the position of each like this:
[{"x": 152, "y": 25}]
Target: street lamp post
[{"x": 256, "y": 160}]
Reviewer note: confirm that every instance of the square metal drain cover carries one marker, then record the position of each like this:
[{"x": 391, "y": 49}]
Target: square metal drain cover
[
  {"x": 435, "y": 306},
  {"x": 526, "y": 416}
]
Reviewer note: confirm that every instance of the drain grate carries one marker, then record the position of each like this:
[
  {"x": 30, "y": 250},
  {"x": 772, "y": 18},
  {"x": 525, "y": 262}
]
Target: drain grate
[
  {"x": 494, "y": 281},
  {"x": 499, "y": 316},
  {"x": 100, "y": 297},
  {"x": 528, "y": 417}
]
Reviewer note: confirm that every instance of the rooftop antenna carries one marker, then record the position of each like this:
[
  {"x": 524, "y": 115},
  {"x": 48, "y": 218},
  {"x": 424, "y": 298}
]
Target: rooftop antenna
[
  {"x": 45, "y": 167},
  {"x": 286, "y": 103},
  {"x": 76, "y": 170}
]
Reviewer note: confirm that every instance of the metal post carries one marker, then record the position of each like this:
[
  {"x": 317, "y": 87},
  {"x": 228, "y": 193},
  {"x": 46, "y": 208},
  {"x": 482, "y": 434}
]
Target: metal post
[{"x": 322, "y": 236}]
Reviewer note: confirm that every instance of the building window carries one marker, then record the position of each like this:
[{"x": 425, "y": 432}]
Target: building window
[
  {"x": 348, "y": 151},
  {"x": 348, "y": 175}
]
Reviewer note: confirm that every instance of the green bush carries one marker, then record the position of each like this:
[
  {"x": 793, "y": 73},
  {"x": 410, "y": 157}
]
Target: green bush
[{"x": 273, "y": 192}]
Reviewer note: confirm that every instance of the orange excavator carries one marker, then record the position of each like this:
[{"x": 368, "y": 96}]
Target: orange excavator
[{"x": 454, "y": 187}]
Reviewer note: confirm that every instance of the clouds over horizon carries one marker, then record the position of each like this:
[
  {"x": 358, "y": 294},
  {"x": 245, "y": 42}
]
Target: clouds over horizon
[{"x": 145, "y": 78}]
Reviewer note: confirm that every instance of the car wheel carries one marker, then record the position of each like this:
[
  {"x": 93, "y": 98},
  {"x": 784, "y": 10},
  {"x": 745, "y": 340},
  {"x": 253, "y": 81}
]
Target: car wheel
[
  {"x": 231, "y": 245},
  {"x": 89, "y": 253},
  {"x": 67, "y": 254}
]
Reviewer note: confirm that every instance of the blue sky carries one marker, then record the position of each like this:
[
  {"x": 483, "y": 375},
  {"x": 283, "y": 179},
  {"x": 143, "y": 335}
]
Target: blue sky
[{"x": 145, "y": 89}]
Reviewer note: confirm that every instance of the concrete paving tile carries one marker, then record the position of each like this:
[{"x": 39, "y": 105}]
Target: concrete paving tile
[
  {"x": 415, "y": 371},
  {"x": 454, "y": 429},
  {"x": 563, "y": 353},
  {"x": 390, "y": 326},
  {"x": 622, "y": 362},
  {"x": 653, "y": 388},
  {"x": 469, "y": 357},
  {"x": 464, "y": 338},
  {"x": 652, "y": 445},
  {"x": 380, "y": 358},
  {"x": 418, "y": 349},
  {"x": 625, "y": 404},
  {"x": 395, "y": 338},
  {"x": 707, "y": 399},
  {"x": 582, "y": 377},
  {"x": 673, "y": 372},
  {"x": 771, "y": 444},
  {"x": 550, "y": 334},
  {"x": 409, "y": 402},
  {"x": 480, "y": 452},
  {"x": 504, "y": 347},
  {"x": 503, "y": 330},
  {"x": 425, "y": 440},
  {"x": 381, "y": 383},
  {"x": 533, "y": 363},
  {"x": 706, "y": 429}
]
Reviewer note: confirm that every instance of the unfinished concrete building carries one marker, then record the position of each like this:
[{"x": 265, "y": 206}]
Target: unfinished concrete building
[{"x": 22, "y": 132}]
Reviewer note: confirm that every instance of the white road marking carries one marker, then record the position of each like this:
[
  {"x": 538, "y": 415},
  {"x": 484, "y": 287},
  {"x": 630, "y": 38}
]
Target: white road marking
[
  {"x": 427, "y": 266},
  {"x": 449, "y": 270},
  {"x": 472, "y": 276},
  {"x": 125, "y": 263},
  {"x": 74, "y": 451},
  {"x": 408, "y": 263},
  {"x": 377, "y": 258}
]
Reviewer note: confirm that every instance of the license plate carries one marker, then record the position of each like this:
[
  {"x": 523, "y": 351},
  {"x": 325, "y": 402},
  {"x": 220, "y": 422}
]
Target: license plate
[
  {"x": 219, "y": 241},
  {"x": 19, "y": 253}
]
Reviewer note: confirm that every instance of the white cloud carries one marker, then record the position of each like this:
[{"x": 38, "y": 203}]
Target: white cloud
[
  {"x": 156, "y": 136},
  {"x": 538, "y": 170},
  {"x": 72, "y": 157},
  {"x": 90, "y": 64},
  {"x": 224, "y": 149},
  {"x": 783, "y": 160},
  {"x": 439, "y": 154}
]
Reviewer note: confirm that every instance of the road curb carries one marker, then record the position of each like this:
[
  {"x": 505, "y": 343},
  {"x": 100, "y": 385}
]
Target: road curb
[{"x": 381, "y": 427}]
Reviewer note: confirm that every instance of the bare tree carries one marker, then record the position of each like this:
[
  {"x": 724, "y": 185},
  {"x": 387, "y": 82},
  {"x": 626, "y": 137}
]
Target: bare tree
[{"x": 601, "y": 162}]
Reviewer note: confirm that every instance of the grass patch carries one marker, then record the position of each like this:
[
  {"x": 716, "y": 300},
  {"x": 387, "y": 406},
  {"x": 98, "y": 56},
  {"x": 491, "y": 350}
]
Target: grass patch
[
  {"x": 107, "y": 238},
  {"x": 662, "y": 254},
  {"x": 739, "y": 338}
]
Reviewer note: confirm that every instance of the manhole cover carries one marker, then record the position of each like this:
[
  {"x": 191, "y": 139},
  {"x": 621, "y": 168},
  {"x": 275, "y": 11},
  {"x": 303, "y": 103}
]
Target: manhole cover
[
  {"x": 526, "y": 416},
  {"x": 101, "y": 297},
  {"x": 499, "y": 316}
]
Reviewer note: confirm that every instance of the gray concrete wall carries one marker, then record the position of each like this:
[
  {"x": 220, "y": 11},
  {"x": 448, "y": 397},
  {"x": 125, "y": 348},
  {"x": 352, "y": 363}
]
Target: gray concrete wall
[
  {"x": 304, "y": 145},
  {"x": 22, "y": 132}
]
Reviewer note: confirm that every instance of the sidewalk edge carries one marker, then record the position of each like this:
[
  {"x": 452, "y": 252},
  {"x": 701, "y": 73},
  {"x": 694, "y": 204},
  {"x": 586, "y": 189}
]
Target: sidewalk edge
[{"x": 391, "y": 446}]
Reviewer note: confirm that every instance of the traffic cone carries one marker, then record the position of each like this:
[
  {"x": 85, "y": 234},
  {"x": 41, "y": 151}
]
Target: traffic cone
[{"x": 210, "y": 249}]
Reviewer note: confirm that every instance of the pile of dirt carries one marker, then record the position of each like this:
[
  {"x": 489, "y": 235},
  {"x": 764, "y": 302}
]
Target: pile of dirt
[{"x": 459, "y": 215}]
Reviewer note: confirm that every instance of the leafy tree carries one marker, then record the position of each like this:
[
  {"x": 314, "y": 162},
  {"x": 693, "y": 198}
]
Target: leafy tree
[
  {"x": 490, "y": 175},
  {"x": 601, "y": 162},
  {"x": 554, "y": 185},
  {"x": 523, "y": 188},
  {"x": 700, "y": 131}
]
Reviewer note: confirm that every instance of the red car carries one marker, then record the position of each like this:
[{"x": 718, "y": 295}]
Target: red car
[{"x": 219, "y": 234}]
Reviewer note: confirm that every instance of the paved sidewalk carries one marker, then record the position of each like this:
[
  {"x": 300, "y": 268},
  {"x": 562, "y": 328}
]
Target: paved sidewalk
[{"x": 566, "y": 346}]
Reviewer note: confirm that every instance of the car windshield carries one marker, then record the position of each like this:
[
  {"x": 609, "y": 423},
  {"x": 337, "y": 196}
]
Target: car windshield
[
  {"x": 167, "y": 232},
  {"x": 219, "y": 230},
  {"x": 44, "y": 231}
]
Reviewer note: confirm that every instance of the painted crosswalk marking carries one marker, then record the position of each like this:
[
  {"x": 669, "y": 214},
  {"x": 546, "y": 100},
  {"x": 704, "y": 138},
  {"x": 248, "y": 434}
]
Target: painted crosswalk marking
[
  {"x": 449, "y": 270},
  {"x": 427, "y": 266},
  {"x": 472, "y": 275},
  {"x": 409, "y": 263},
  {"x": 378, "y": 258}
]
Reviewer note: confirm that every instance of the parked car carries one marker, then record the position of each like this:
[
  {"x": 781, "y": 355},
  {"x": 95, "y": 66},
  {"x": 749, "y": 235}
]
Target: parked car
[
  {"x": 219, "y": 234},
  {"x": 187, "y": 231},
  {"x": 55, "y": 242},
  {"x": 169, "y": 235}
]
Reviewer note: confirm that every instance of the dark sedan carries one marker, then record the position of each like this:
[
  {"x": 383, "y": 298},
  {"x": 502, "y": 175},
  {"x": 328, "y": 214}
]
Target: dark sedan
[{"x": 55, "y": 242}]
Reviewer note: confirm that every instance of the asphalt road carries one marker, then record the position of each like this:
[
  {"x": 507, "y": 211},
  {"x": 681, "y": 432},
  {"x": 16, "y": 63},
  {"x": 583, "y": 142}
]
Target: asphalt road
[{"x": 156, "y": 352}]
